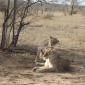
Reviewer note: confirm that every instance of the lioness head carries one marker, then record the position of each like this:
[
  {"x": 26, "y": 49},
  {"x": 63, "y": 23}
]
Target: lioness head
[
  {"x": 53, "y": 41},
  {"x": 44, "y": 53}
]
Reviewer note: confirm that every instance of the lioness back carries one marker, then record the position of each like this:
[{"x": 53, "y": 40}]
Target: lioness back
[{"x": 58, "y": 63}]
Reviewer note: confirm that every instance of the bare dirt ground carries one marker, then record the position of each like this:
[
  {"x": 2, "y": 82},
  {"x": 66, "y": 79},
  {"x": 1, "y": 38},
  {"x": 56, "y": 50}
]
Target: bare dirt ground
[{"x": 16, "y": 68}]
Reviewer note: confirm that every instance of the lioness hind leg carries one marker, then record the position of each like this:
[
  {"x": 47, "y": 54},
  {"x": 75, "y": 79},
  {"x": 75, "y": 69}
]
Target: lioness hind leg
[{"x": 43, "y": 69}]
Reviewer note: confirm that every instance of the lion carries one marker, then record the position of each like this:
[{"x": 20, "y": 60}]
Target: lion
[
  {"x": 53, "y": 62},
  {"x": 51, "y": 42}
]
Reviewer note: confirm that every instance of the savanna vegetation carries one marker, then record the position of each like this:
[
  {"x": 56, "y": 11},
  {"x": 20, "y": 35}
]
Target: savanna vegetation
[{"x": 26, "y": 25}]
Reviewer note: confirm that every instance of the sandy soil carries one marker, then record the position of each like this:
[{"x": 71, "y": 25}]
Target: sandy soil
[
  {"x": 16, "y": 69},
  {"x": 26, "y": 77}
]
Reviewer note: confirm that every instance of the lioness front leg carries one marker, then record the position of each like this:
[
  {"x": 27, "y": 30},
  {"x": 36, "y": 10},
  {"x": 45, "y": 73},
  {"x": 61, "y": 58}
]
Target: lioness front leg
[{"x": 44, "y": 69}]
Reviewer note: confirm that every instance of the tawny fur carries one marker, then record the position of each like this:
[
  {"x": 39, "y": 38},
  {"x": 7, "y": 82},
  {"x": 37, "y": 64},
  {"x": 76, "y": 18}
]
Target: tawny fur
[
  {"x": 53, "y": 62},
  {"x": 52, "y": 41}
]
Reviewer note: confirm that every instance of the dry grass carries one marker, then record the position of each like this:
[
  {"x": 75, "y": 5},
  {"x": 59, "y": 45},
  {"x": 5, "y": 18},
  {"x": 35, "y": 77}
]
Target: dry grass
[
  {"x": 48, "y": 16},
  {"x": 68, "y": 29}
]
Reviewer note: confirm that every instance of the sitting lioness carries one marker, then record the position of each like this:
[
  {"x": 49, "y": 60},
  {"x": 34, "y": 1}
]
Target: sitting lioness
[
  {"x": 50, "y": 42},
  {"x": 53, "y": 62}
]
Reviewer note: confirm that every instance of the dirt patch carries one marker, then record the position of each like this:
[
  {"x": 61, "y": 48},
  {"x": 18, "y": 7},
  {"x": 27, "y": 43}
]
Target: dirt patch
[{"x": 14, "y": 76}]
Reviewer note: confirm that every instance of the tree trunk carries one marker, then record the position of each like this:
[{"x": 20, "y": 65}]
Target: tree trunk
[
  {"x": 15, "y": 38},
  {"x": 72, "y": 7},
  {"x": 14, "y": 41},
  {"x": 4, "y": 30},
  {"x": 4, "y": 37}
]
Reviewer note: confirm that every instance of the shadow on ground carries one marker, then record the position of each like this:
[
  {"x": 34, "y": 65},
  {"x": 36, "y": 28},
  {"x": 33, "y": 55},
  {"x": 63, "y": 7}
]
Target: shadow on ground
[{"x": 26, "y": 54}]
